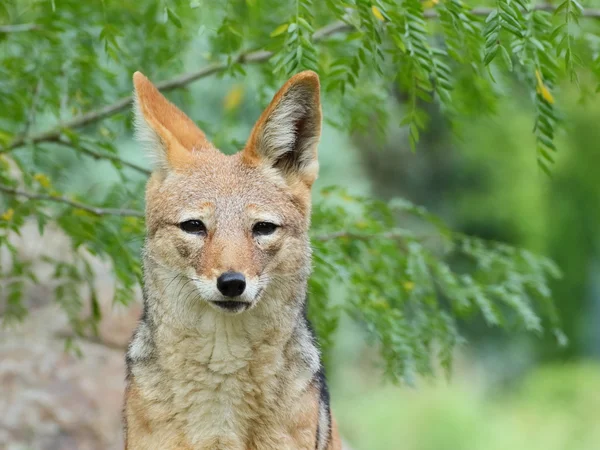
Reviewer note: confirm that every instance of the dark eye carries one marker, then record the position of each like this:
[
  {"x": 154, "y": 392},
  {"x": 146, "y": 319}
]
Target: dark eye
[
  {"x": 264, "y": 228},
  {"x": 193, "y": 227}
]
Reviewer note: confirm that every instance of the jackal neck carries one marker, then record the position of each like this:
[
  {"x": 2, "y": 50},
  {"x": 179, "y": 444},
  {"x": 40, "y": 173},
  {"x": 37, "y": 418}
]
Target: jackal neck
[{"x": 176, "y": 318}]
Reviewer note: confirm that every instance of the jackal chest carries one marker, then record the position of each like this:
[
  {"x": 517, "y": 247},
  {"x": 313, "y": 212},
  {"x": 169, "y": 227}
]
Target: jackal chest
[{"x": 219, "y": 394}]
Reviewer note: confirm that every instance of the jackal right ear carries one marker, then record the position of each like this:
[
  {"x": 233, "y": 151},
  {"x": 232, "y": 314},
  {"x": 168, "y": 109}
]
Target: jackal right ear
[
  {"x": 287, "y": 133},
  {"x": 170, "y": 135}
]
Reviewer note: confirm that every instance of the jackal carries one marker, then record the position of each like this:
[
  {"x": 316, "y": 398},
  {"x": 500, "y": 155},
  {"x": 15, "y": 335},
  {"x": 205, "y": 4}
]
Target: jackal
[{"x": 224, "y": 357}]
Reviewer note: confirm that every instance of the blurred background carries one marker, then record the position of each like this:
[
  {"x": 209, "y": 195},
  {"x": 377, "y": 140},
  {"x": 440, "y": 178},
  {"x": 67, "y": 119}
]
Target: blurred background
[{"x": 506, "y": 391}]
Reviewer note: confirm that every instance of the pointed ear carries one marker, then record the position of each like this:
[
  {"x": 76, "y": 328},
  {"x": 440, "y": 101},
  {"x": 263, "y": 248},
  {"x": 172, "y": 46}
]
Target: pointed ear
[
  {"x": 170, "y": 135},
  {"x": 287, "y": 133}
]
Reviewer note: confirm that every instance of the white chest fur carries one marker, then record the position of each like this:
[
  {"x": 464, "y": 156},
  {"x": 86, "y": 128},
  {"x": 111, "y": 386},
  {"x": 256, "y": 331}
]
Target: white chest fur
[{"x": 230, "y": 378}]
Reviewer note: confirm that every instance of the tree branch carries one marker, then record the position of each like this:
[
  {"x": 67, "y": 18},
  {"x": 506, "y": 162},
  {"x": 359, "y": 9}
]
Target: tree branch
[
  {"x": 244, "y": 58},
  {"x": 92, "y": 339},
  {"x": 167, "y": 85},
  {"x": 99, "y": 155},
  {"x": 485, "y": 11},
  {"x": 588, "y": 12},
  {"x": 75, "y": 204},
  {"x": 19, "y": 28},
  {"x": 397, "y": 234}
]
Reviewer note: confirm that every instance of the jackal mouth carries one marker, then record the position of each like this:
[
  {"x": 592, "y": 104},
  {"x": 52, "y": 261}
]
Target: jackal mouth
[{"x": 232, "y": 305}]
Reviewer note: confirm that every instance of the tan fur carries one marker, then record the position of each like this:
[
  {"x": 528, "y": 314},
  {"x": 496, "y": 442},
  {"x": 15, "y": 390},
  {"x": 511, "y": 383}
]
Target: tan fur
[
  {"x": 336, "y": 441},
  {"x": 201, "y": 377},
  {"x": 172, "y": 127}
]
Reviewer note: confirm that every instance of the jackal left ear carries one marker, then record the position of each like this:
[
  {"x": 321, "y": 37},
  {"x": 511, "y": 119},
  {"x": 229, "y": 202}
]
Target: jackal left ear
[
  {"x": 287, "y": 133},
  {"x": 170, "y": 135}
]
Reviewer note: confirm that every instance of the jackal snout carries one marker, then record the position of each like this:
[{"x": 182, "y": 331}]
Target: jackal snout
[{"x": 231, "y": 284}]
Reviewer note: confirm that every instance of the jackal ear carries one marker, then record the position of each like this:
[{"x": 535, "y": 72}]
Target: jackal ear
[
  {"x": 169, "y": 134},
  {"x": 287, "y": 133}
]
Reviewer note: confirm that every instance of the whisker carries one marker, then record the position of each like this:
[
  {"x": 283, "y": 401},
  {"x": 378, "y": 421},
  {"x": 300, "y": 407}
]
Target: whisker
[
  {"x": 193, "y": 291},
  {"x": 188, "y": 280},
  {"x": 169, "y": 284}
]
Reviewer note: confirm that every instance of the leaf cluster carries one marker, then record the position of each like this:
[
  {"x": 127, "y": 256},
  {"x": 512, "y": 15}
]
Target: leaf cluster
[{"x": 410, "y": 291}]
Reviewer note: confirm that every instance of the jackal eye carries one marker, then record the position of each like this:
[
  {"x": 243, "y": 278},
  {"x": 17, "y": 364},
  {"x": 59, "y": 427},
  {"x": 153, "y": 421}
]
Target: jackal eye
[
  {"x": 264, "y": 228},
  {"x": 193, "y": 227}
]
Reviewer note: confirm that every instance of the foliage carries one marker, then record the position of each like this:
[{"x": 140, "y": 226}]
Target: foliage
[
  {"x": 552, "y": 408},
  {"x": 409, "y": 289},
  {"x": 65, "y": 72}
]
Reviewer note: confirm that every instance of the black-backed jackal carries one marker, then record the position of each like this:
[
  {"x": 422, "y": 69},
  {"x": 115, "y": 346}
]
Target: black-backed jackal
[{"x": 224, "y": 357}]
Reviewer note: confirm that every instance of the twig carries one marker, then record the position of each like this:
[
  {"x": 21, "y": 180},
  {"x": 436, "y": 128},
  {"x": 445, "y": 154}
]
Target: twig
[
  {"x": 76, "y": 122},
  {"x": 99, "y": 155},
  {"x": 332, "y": 28},
  {"x": 19, "y": 28},
  {"x": 92, "y": 340},
  {"x": 393, "y": 234},
  {"x": 590, "y": 12},
  {"x": 401, "y": 237},
  {"x": 485, "y": 11},
  {"x": 75, "y": 204}
]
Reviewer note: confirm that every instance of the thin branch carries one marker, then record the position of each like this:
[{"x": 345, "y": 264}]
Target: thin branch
[
  {"x": 99, "y": 155},
  {"x": 401, "y": 237},
  {"x": 331, "y": 29},
  {"x": 483, "y": 11},
  {"x": 587, "y": 12},
  {"x": 75, "y": 204},
  {"x": 19, "y": 28},
  {"x": 92, "y": 340},
  {"x": 397, "y": 234},
  {"x": 76, "y": 122},
  {"x": 393, "y": 234}
]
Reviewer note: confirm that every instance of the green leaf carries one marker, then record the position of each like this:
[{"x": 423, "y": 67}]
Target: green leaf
[
  {"x": 561, "y": 7},
  {"x": 280, "y": 30},
  {"x": 506, "y": 58},
  {"x": 557, "y": 30},
  {"x": 578, "y": 6},
  {"x": 514, "y": 30},
  {"x": 490, "y": 55},
  {"x": 173, "y": 17},
  {"x": 302, "y": 21},
  {"x": 491, "y": 16}
]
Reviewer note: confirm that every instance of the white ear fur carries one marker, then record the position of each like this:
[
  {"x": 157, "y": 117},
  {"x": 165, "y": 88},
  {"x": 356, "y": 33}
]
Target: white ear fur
[
  {"x": 282, "y": 135},
  {"x": 153, "y": 146},
  {"x": 287, "y": 134}
]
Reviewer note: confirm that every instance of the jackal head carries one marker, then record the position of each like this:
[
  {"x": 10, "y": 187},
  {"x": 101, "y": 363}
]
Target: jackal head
[{"x": 233, "y": 229}]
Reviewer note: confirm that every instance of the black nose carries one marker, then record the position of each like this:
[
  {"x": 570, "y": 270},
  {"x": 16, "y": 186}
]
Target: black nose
[{"x": 231, "y": 284}]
